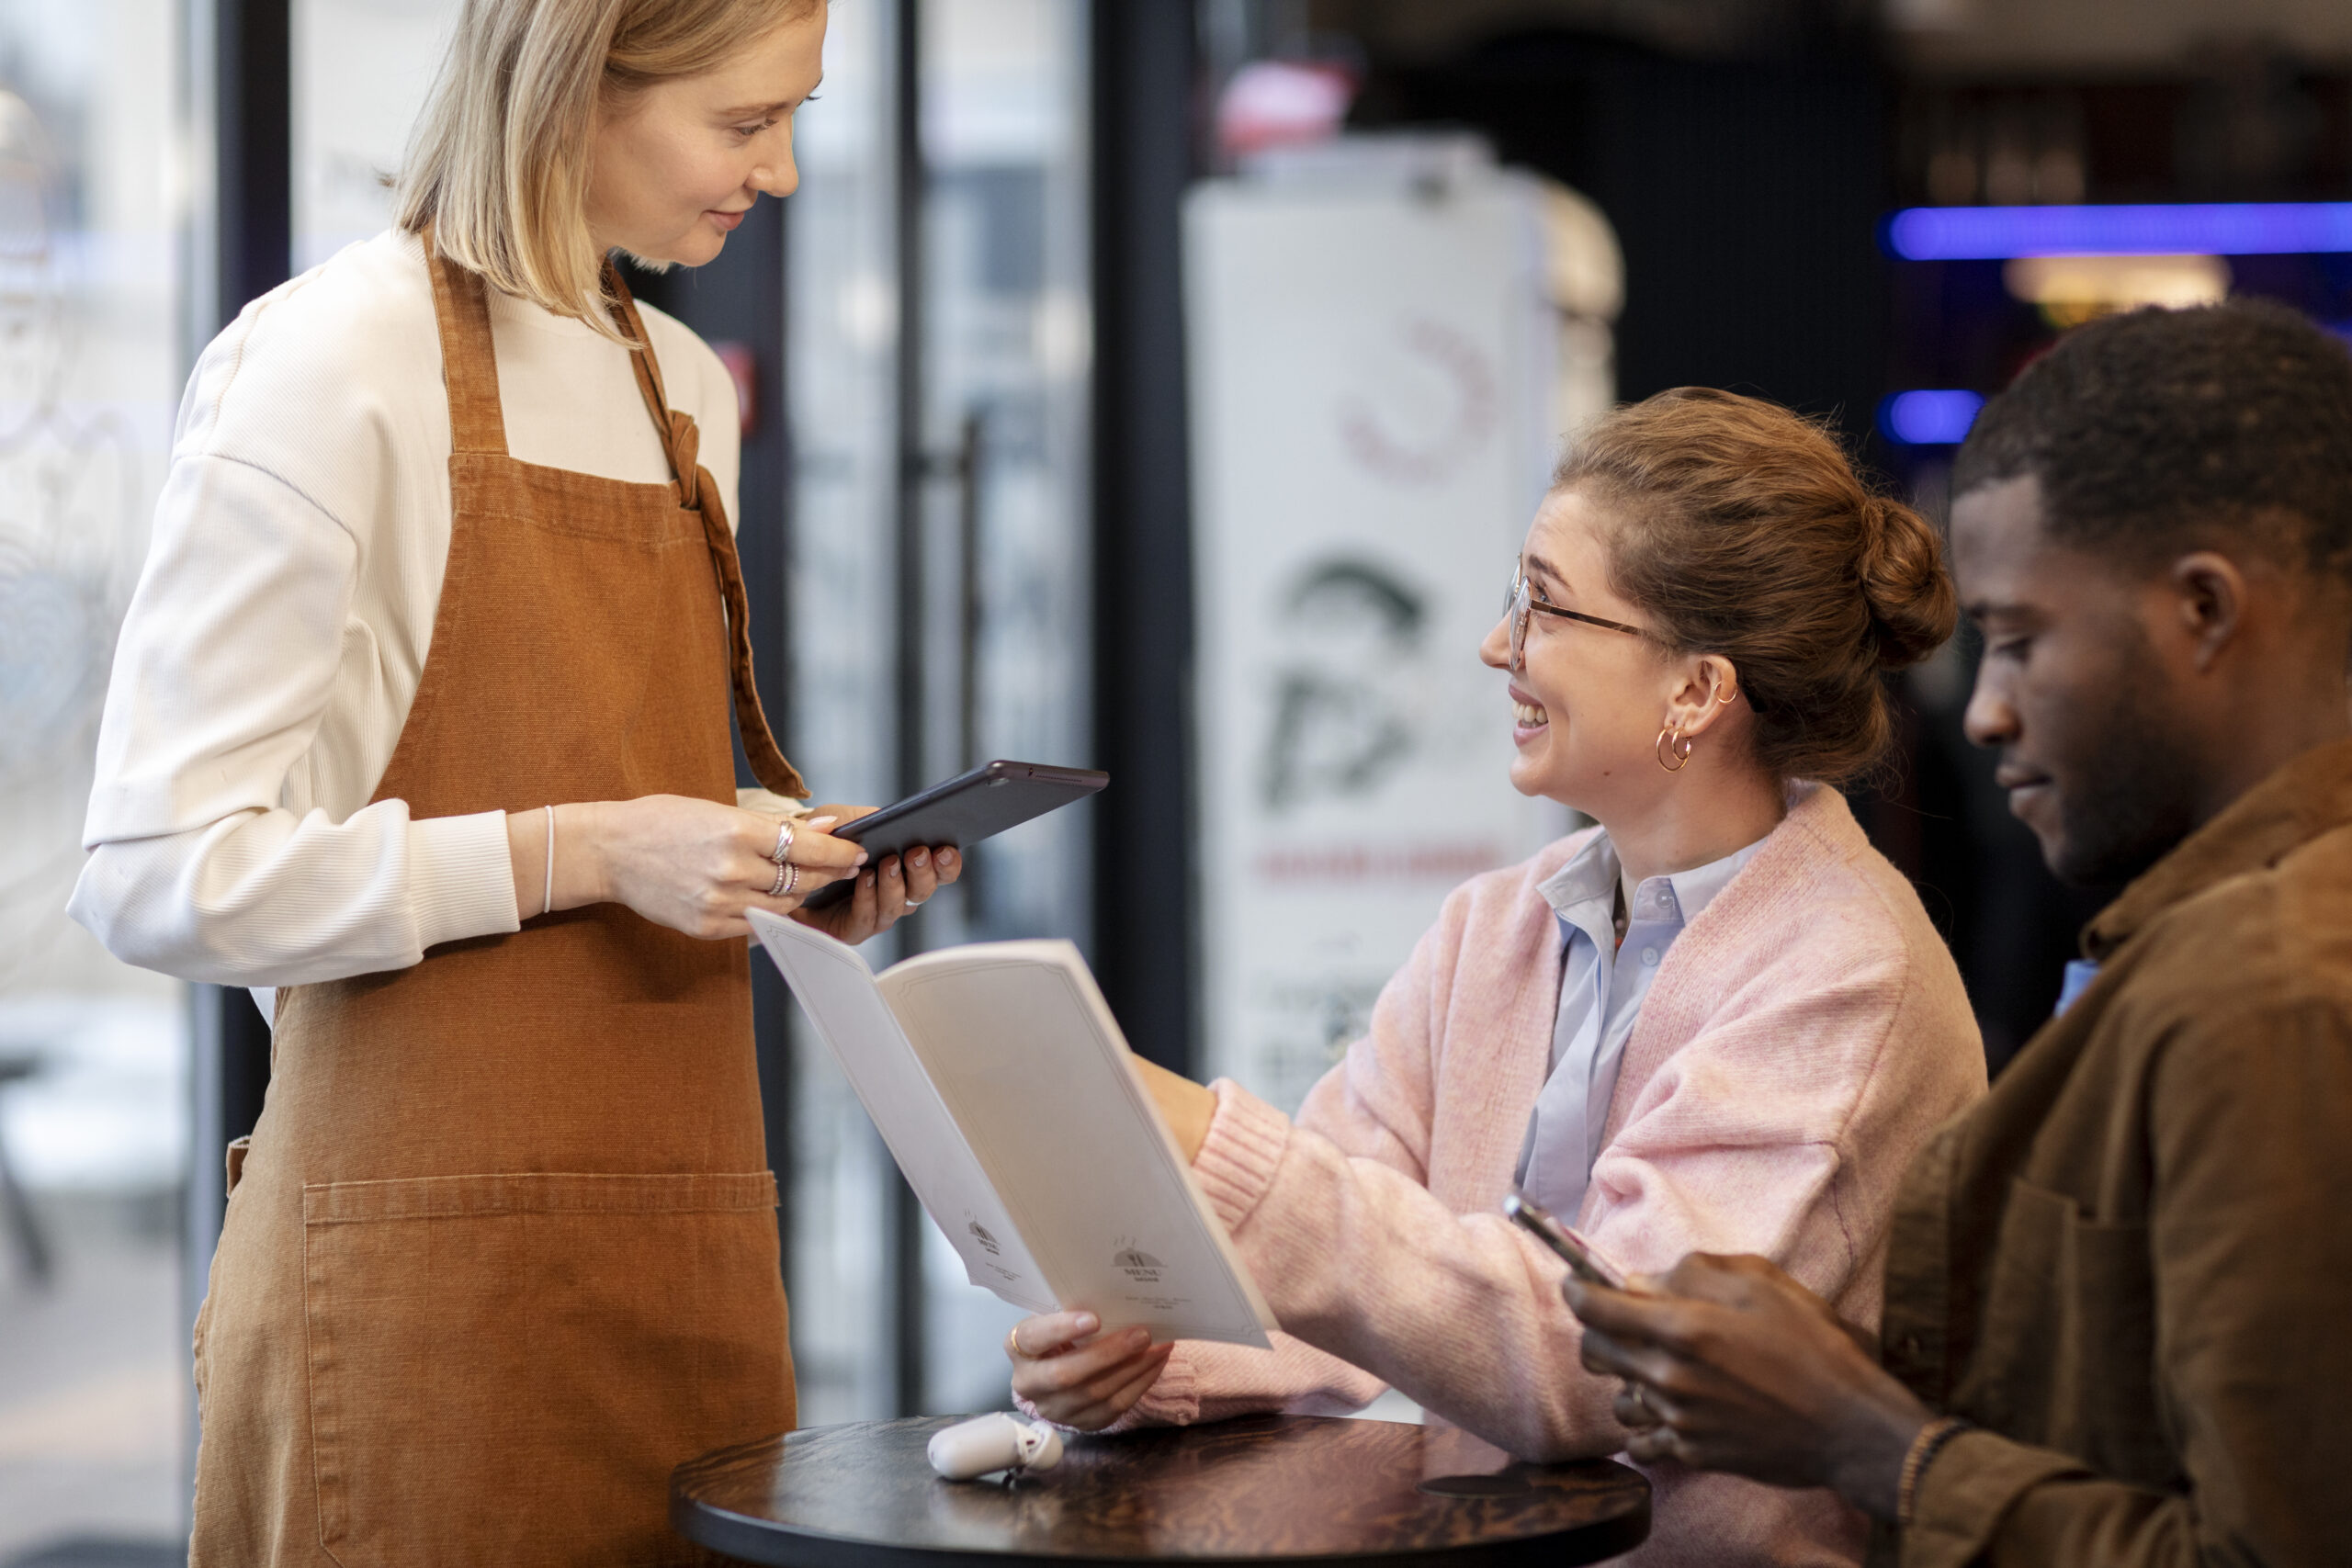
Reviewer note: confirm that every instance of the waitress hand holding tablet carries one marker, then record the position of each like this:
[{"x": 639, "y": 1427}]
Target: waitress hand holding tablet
[
  {"x": 698, "y": 866},
  {"x": 421, "y": 715}
]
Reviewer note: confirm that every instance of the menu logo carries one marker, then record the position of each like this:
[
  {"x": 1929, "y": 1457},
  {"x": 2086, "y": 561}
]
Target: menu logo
[
  {"x": 1135, "y": 1262},
  {"x": 980, "y": 1233}
]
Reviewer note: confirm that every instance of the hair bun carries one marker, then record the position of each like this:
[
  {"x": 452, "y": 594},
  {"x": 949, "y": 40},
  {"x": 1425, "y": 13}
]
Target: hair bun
[
  {"x": 1741, "y": 528},
  {"x": 1913, "y": 608}
]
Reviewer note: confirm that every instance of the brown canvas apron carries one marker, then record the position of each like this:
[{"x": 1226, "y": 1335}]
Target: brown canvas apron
[{"x": 502, "y": 1249}]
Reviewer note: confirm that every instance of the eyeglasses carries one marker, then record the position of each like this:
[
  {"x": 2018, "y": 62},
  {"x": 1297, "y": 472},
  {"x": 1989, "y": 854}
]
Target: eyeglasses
[{"x": 1520, "y": 605}]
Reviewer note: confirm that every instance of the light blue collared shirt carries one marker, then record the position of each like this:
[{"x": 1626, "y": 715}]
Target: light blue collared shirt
[
  {"x": 2080, "y": 973},
  {"x": 1601, "y": 988}
]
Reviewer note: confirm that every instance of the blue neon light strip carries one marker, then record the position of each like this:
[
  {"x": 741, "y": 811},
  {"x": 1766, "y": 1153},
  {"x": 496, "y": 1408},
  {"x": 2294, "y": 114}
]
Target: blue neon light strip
[
  {"x": 1929, "y": 418},
  {"x": 1996, "y": 233}
]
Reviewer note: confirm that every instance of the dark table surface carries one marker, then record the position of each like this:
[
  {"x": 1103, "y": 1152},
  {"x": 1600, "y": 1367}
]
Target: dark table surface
[{"x": 1263, "y": 1489}]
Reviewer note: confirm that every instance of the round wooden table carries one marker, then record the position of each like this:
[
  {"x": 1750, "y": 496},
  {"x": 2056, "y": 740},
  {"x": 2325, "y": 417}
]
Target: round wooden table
[{"x": 1287, "y": 1489}]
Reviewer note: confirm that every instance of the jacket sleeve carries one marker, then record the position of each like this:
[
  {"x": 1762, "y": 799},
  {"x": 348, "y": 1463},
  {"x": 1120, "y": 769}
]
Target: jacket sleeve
[{"x": 2249, "y": 1256}]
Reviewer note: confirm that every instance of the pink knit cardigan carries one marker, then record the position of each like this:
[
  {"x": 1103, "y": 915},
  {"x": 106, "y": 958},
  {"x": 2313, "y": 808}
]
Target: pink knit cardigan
[{"x": 1802, "y": 1039}]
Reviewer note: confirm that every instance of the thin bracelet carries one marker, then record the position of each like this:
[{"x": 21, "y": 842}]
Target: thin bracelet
[
  {"x": 1924, "y": 1450},
  {"x": 546, "y": 897}
]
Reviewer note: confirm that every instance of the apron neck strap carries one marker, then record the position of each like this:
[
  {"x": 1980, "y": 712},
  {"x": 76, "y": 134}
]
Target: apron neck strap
[
  {"x": 681, "y": 441},
  {"x": 469, "y": 364}
]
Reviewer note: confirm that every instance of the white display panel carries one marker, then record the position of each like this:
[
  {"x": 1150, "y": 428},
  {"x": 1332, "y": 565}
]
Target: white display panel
[
  {"x": 362, "y": 69},
  {"x": 98, "y": 191},
  {"x": 1375, "y": 361}
]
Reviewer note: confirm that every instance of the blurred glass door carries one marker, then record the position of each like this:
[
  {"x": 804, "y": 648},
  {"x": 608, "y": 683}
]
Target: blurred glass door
[
  {"x": 940, "y": 354},
  {"x": 93, "y": 1127}
]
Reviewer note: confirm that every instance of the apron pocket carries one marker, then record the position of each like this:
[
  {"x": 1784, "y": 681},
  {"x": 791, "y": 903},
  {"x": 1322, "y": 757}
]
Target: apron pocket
[{"x": 504, "y": 1369}]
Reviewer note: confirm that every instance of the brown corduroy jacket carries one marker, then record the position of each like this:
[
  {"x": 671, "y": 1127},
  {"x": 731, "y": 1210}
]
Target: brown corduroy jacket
[{"x": 2132, "y": 1264}]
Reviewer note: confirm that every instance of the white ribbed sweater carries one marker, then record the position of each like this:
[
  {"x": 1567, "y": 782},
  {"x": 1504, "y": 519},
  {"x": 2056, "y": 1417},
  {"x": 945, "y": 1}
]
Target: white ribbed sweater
[{"x": 284, "y": 615}]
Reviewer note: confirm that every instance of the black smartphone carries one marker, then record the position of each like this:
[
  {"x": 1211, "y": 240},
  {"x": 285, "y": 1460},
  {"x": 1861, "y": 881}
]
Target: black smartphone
[
  {"x": 1573, "y": 1249},
  {"x": 960, "y": 812}
]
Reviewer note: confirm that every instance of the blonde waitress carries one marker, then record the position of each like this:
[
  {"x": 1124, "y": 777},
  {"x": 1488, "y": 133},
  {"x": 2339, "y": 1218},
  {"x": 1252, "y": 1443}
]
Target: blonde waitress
[{"x": 421, "y": 716}]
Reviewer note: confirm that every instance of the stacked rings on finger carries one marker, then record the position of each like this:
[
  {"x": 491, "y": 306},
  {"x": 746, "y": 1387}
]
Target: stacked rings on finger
[
  {"x": 788, "y": 877},
  {"x": 783, "y": 843}
]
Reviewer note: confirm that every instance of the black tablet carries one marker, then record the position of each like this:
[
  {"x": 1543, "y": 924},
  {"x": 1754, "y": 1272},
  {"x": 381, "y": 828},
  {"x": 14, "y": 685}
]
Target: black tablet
[{"x": 962, "y": 811}]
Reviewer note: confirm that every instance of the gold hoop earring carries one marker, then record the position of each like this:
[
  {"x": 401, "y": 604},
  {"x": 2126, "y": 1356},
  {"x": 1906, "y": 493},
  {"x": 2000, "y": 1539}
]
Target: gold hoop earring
[{"x": 1679, "y": 746}]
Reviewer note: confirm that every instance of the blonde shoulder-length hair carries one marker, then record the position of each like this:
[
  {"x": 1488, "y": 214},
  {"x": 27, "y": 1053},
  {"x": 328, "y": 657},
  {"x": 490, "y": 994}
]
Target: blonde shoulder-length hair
[{"x": 499, "y": 161}]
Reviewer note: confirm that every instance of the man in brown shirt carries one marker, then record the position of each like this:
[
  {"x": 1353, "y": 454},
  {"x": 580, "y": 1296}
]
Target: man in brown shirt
[{"x": 2118, "y": 1323}]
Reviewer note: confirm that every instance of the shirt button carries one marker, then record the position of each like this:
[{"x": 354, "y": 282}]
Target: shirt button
[{"x": 1649, "y": 956}]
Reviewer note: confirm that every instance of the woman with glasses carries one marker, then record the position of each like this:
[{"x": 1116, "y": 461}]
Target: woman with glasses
[{"x": 1717, "y": 1022}]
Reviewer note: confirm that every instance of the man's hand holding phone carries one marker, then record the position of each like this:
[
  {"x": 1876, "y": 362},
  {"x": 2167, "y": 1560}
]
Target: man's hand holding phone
[{"x": 1730, "y": 1364}]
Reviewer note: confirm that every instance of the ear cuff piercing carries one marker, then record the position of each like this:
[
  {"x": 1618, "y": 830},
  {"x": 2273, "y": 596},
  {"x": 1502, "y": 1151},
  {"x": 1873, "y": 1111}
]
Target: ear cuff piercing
[{"x": 1672, "y": 741}]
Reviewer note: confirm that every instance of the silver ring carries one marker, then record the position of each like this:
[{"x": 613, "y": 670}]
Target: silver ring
[
  {"x": 783, "y": 843},
  {"x": 788, "y": 877},
  {"x": 914, "y": 904}
]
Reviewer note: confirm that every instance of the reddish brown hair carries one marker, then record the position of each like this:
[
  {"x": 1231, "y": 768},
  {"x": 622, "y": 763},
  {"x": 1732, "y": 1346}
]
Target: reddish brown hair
[{"x": 1742, "y": 530}]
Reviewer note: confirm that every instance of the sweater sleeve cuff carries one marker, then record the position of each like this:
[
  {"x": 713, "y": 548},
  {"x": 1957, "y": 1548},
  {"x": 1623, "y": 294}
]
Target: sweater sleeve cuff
[
  {"x": 1967, "y": 1492},
  {"x": 1173, "y": 1399},
  {"x": 461, "y": 877},
  {"x": 1237, "y": 1162}
]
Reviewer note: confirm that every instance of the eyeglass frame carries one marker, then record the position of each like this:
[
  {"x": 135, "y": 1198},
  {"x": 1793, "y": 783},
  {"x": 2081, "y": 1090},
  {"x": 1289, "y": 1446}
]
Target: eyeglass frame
[{"x": 1519, "y": 605}]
